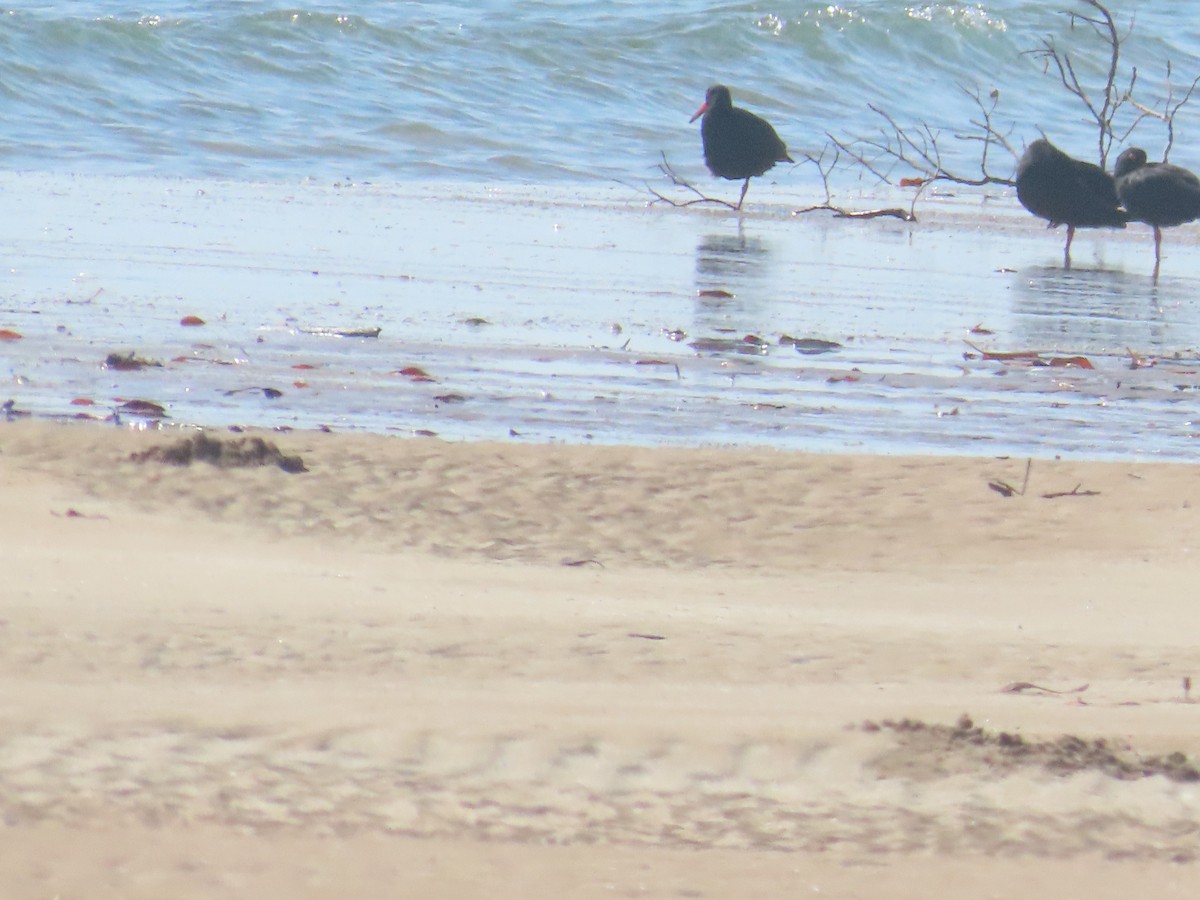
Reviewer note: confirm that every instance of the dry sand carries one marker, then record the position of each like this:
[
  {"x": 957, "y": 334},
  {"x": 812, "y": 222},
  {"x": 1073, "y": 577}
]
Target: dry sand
[{"x": 384, "y": 678}]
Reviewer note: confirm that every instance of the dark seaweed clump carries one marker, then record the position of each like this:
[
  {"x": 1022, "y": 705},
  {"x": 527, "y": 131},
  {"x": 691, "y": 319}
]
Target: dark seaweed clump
[{"x": 232, "y": 454}]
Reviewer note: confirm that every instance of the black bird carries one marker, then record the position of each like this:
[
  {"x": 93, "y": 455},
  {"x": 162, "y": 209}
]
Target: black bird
[
  {"x": 1067, "y": 191},
  {"x": 737, "y": 143},
  {"x": 1158, "y": 194}
]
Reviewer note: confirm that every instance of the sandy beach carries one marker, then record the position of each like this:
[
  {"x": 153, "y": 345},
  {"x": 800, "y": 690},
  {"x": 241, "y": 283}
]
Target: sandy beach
[{"x": 433, "y": 669}]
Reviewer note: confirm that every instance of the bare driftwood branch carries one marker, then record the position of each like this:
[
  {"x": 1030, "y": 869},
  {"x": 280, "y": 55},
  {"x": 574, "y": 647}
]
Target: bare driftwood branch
[
  {"x": 1101, "y": 104},
  {"x": 1170, "y": 108},
  {"x": 825, "y": 167},
  {"x": 897, "y": 149},
  {"x": 675, "y": 179},
  {"x": 989, "y": 136}
]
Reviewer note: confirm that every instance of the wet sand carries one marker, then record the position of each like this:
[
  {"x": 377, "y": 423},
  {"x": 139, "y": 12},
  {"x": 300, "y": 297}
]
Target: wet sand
[
  {"x": 567, "y": 646},
  {"x": 581, "y": 315},
  {"x": 441, "y": 669}
]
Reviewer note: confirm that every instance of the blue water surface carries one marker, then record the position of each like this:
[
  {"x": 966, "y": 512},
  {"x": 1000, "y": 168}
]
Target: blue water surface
[{"x": 550, "y": 90}]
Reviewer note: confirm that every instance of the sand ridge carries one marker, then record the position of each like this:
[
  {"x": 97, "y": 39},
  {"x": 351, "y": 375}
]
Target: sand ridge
[
  {"x": 382, "y": 670},
  {"x": 651, "y": 507}
]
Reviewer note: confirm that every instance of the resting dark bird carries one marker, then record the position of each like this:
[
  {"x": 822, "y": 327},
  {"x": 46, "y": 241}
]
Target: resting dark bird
[
  {"x": 1067, "y": 191},
  {"x": 737, "y": 143},
  {"x": 1158, "y": 194}
]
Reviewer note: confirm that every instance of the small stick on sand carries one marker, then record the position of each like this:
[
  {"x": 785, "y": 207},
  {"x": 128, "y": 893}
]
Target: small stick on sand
[
  {"x": 1018, "y": 687},
  {"x": 1074, "y": 492}
]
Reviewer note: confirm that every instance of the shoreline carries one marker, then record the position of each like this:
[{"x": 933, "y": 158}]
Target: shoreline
[{"x": 499, "y": 315}]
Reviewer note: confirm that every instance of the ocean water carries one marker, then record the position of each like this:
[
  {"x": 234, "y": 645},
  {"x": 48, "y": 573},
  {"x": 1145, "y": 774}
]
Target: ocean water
[{"x": 545, "y": 90}]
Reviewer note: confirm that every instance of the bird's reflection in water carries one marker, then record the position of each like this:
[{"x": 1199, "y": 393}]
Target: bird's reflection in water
[
  {"x": 732, "y": 278},
  {"x": 1102, "y": 310}
]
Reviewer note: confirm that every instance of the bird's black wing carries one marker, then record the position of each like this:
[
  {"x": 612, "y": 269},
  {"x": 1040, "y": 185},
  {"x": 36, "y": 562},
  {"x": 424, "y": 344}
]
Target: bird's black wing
[{"x": 1161, "y": 194}]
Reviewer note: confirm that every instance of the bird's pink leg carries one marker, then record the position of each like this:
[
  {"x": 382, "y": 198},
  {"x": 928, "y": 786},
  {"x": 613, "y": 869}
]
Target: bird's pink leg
[
  {"x": 1067, "y": 252},
  {"x": 745, "y": 187},
  {"x": 1157, "y": 251}
]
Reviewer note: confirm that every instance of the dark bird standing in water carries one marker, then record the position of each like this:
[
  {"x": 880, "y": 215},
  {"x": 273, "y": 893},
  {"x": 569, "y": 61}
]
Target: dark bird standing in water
[
  {"x": 1158, "y": 194},
  {"x": 737, "y": 143},
  {"x": 1067, "y": 191}
]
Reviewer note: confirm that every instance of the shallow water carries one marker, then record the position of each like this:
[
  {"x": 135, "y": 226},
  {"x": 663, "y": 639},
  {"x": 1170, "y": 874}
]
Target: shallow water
[{"x": 584, "y": 315}]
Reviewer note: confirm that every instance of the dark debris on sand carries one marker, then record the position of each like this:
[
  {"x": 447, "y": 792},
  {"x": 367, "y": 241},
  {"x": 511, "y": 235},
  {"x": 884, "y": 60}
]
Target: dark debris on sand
[
  {"x": 239, "y": 453},
  {"x": 935, "y": 751}
]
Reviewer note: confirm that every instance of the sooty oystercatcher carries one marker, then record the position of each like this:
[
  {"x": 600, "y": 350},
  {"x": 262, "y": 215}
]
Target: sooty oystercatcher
[
  {"x": 1159, "y": 194},
  {"x": 737, "y": 143},
  {"x": 1067, "y": 191}
]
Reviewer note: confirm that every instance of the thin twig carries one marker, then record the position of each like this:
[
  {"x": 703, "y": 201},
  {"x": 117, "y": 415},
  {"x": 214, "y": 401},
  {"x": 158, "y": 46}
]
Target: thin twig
[
  {"x": 666, "y": 168},
  {"x": 825, "y": 167},
  {"x": 919, "y": 149},
  {"x": 1102, "y": 112},
  {"x": 1170, "y": 109},
  {"x": 1074, "y": 492}
]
